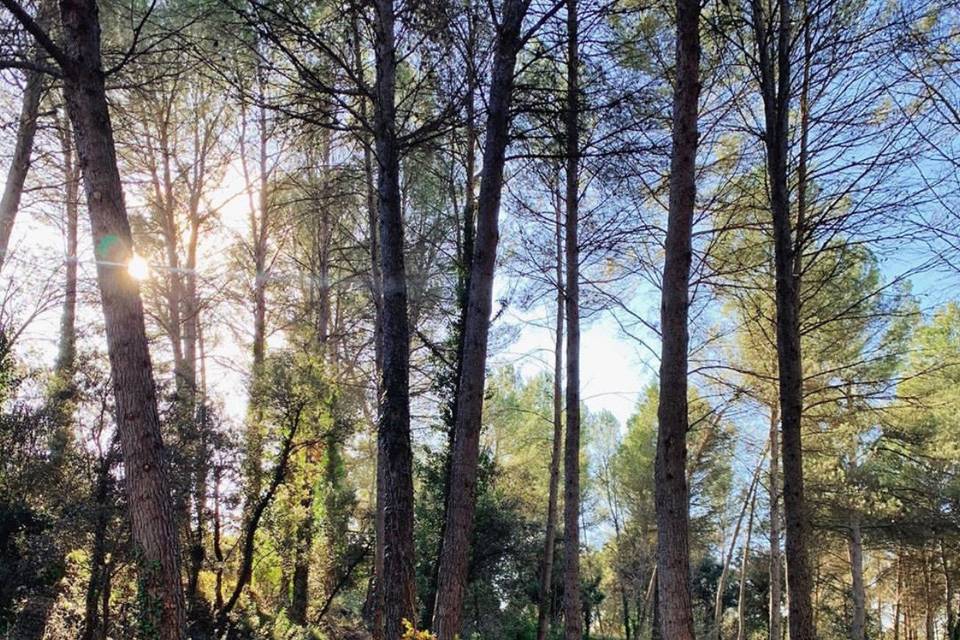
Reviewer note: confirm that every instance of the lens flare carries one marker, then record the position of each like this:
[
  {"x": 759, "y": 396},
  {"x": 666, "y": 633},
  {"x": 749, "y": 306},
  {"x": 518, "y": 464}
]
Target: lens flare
[{"x": 138, "y": 268}]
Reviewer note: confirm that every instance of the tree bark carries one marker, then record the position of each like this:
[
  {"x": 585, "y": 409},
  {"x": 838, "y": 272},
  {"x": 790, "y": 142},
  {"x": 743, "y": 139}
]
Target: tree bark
[
  {"x": 672, "y": 498},
  {"x": 20, "y": 163},
  {"x": 546, "y": 569},
  {"x": 573, "y": 622},
  {"x": 395, "y": 458},
  {"x": 775, "y": 89},
  {"x": 855, "y": 544},
  {"x": 455, "y": 551},
  {"x": 138, "y": 422}
]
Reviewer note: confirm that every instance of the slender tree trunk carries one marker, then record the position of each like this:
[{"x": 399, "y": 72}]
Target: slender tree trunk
[
  {"x": 775, "y": 87},
  {"x": 258, "y": 197},
  {"x": 899, "y": 598},
  {"x": 20, "y": 163},
  {"x": 744, "y": 566},
  {"x": 546, "y": 569},
  {"x": 728, "y": 558},
  {"x": 672, "y": 497},
  {"x": 928, "y": 605},
  {"x": 66, "y": 354},
  {"x": 138, "y": 422},
  {"x": 397, "y": 586},
  {"x": 98, "y": 567},
  {"x": 573, "y": 629},
  {"x": 855, "y": 544},
  {"x": 949, "y": 591},
  {"x": 455, "y": 551},
  {"x": 776, "y": 562}
]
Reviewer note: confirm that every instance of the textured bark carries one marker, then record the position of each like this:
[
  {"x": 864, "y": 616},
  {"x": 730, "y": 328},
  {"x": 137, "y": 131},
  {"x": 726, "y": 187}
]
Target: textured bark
[
  {"x": 397, "y": 591},
  {"x": 546, "y": 569},
  {"x": 776, "y": 598},
  {"x": 20, "y": 163},
  {"x": 573, "y": 622},
  {"x": 136, "y": 406},
  {"x": 775, "y": 88},
  {"x": 467, "y": 235},
  {"x": 855, "y": 546},
  {"x": 672, "y": 498},
  {"x": 455, "y": 552}
]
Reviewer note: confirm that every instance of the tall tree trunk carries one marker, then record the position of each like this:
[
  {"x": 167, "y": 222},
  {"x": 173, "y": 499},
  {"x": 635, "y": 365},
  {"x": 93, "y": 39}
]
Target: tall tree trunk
[
  {"x": 855, "y": 543},
  {"x": 20, "y": 163},
  {"x": 571, "y": 454},
  {"x": 455, "y": 551},
  {"x": 467, "y": 235},
  {"x": 67, "y": 349},
  {"x": 372, "y": 608},
  {"x": 138, "y": 422},
  {"x": 395, "y": 458},
  {"x": 546, "y": 569},
  {"x": 744, "y": 566},
  {"x": 776, "y": 562},
  {"x": 260, "y": 225},
  {"x": 672, "y": 498},
  {"x": 775, "y": 87}
]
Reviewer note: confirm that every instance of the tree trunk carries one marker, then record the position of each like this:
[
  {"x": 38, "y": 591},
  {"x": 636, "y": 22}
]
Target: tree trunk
[
  {"x": 546, "y": 569},
  {"x": 260, "y": 234},
  {"x": 395, "y": 457},
  {"x": 899, "y": 599},
  {"x": 571, "y": 458},
  {"x": 728, "y": 558},
  {"x": 775, "y": 87},
  {"x": 744, "y": 565},
  {"x": 776, "y": 563},
  {"x": 949, "y": 592},
  {"x": 20, "y": 163},
  {"x": 855, "y": 544},
  {"x": 66, "y": 354},
  {"x": 672, "y": 499},
  {"x": 928, "y": 605},
  {"x": 138, "y": 423},
  {"x": 455, "y": 552},
  {"x": 98, "y": 566}
]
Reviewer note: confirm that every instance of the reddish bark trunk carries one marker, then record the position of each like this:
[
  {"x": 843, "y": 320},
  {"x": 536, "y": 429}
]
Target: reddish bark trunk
[
  {"x": 455, "y": 551},
  {"x": 672, "y": 500}
]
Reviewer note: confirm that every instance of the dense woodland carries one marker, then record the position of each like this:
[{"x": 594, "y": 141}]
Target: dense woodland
[{"x": 269, "y": 272}]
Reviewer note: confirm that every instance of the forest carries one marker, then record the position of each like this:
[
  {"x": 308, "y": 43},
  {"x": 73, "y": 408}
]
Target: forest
[{"x": 480, "y": 319}]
